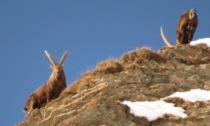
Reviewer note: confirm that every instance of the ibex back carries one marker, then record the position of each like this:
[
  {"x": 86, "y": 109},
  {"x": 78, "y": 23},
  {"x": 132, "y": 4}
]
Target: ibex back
[{"x": 52, "y": 88}]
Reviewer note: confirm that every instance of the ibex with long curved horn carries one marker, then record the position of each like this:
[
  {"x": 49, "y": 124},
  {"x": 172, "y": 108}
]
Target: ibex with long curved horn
[
  {"x": 186, "y": 28},
  {"x": 52, "y": 88}
]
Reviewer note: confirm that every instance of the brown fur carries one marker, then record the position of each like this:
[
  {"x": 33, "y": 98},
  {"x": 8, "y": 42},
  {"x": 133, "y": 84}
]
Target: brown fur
[
  {"x": 186, "y": 28},
  {"x": 36, "y": 99},
  {"x": 48, "y": 91}
]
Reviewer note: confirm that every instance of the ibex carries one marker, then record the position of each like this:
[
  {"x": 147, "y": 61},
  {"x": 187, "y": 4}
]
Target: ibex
[
  {"x": 52, "y": 88},
  {"x": 186, "y": 28}
]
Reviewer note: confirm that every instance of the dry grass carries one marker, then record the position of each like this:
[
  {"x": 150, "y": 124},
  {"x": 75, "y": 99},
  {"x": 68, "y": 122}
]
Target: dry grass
[
  {"x": 131, "y": 60},
  {"x": 85, "y": 80},
  {"x": 110, "y": 66},
  {"x": 144, "y": 54},
  {"x": 142, "y": 57},
  {"x": 138, "y": 60},
  {"x": 187, "y": 54},
  {"x": 134, "y": 60}
]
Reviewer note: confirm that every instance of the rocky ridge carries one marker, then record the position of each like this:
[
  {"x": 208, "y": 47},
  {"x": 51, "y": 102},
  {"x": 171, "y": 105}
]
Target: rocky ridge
[{"x": 141, "y": 75}]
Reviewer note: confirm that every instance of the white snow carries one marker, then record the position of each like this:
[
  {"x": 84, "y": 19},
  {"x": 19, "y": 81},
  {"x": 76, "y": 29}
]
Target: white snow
[
  {"x": 154, "y": 109},
  {"x": 201, "y": 41},
  {"x": 192, "y": 95}
]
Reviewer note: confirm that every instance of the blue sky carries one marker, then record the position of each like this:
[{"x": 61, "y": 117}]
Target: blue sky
[{"x": 92, "y": 30}]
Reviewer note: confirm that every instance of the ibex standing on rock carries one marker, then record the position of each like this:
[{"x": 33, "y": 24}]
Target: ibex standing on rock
[
  {"x": 52, "y": 88},
  {"x": 186, "y": 28}
]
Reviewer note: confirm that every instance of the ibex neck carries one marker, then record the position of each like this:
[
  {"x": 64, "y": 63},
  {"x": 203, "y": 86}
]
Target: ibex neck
[{"x": 55, "y": 77}]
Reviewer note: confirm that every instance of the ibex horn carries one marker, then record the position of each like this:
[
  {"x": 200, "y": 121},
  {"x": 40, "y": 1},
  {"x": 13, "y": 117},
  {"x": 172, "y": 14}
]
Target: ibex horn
[
  {"x": 66, "y": 53},
  {"x": 164, "y": 38},
  {"x": 50, "y": 57}
]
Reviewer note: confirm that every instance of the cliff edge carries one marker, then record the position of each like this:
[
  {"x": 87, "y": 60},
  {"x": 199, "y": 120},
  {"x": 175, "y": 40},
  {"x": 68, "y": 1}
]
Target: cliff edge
[{"x": 140, "y": 75}]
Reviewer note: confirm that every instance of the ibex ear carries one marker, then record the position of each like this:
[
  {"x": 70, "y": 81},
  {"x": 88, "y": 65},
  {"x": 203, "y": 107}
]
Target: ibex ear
[{"x": 51, "y": 66}]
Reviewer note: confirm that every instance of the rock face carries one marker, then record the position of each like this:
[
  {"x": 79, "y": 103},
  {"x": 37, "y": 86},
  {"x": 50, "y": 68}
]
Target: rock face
[{"x": 141, "y": 75}]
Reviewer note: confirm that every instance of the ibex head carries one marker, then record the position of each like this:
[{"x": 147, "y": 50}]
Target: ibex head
[{"x": 57, "y": 68}]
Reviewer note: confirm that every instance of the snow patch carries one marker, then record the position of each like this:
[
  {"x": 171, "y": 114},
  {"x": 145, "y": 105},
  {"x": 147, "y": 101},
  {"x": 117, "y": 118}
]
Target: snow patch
[
  {"x": 201, "y": 41},
  {"x": 192, "y": 95},
  {"x": 153, "y": 110}
]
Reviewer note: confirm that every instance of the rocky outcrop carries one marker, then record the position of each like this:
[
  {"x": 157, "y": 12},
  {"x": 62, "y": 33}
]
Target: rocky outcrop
[{"x": 141, "y": 75}]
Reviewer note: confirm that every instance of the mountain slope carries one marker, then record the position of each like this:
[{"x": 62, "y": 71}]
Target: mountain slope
[{"x": 141, "y": 75}]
